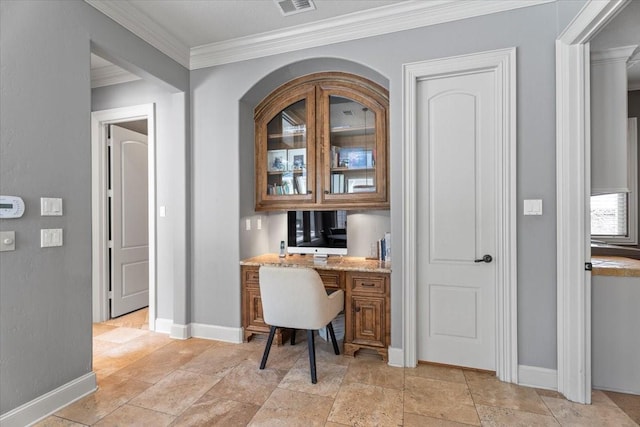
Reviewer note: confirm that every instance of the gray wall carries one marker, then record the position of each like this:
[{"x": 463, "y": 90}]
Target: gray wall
[
  {"x": 222, "y": 127},
  {"x": 45, "y": 104},
  {"x": 168, "y": 129},
  {"x": 45, "y": 101}
]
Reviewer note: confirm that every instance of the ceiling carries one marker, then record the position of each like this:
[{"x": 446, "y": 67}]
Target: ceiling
[
  {"x": 623, "y": 30},
  {"x": 196, "y": 22},
  {"x": 203, "y": 33}
]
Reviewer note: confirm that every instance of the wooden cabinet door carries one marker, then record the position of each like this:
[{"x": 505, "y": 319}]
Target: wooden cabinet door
[
  {"x": 254, "y": 309},
  {"x": 353, "y": 126},
  {"x": 368, "y": 320},
  {"x": 285, "y": 151}
]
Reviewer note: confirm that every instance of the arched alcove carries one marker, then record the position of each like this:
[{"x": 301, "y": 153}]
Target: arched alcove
[{"x": 262, "y": 241}]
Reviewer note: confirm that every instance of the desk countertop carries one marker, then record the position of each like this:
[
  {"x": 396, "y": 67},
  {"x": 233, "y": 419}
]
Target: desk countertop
[
  {"x": 346, "y": 263},
  {"x": 615, "y": 266}
]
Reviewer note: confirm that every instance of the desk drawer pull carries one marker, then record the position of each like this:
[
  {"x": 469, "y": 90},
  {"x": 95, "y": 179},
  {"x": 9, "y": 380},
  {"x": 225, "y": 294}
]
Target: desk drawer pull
[{"x": 369, "y": 285}]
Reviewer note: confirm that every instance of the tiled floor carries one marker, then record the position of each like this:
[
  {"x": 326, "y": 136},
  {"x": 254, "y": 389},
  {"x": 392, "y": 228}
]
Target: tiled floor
[{"x": 148, "y": 379}]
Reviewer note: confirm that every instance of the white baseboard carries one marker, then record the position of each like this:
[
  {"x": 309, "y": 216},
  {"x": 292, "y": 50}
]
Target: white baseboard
[
  {"x": 48, "y": 403},
  {"x": 180, "y": 332},
  {"x": 219, "y": 333},
  {"x": 625, "y": 390},
  {"x": 396, "y": 357},
  {"x": 163, "y": 326},
  {"x": 532, "y": 376}
]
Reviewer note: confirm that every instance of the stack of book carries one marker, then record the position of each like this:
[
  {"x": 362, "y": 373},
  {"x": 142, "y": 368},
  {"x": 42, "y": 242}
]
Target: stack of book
[
  {"x": 384, "y": 248},
  {"x": 287, "y": 186},
  {"x": 337, "y": 183}
]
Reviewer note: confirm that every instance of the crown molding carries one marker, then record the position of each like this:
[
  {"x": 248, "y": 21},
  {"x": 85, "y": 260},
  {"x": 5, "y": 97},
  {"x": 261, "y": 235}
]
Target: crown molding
[
  {"x": 125, "y": 14},
  {"x": 616, "y": 54},
  {"x": 110, "y": 75},
  {"x": 373, "y": 22}
]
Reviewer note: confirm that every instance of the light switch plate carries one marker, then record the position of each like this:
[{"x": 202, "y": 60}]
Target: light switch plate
[
  {"x": 50, "y": 237},
  {"x": 50, "y": 206},
  {"x": 533, "y": 207},
  {"x": 7, "y": 241}
]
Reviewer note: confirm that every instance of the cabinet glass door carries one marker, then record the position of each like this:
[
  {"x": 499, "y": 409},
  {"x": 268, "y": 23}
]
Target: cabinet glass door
[
  {"x": 355, "y": 148},
  {"x": 287, "y": 151}
]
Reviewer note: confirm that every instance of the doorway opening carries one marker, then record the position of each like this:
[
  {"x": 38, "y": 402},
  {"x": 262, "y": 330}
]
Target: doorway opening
[
  {"x": 573, "y": 191},
  {"x": 102, "y": 123}
]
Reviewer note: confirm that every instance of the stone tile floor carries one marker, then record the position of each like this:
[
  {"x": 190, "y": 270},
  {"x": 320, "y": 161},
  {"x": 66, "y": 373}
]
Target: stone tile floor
[{"x": 148, "y": 379}]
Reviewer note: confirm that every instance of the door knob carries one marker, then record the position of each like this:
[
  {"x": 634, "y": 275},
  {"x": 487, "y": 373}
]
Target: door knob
[{"x": 486, "y": 258}]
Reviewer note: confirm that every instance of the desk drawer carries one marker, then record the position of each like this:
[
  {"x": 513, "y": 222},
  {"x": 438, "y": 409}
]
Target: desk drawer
[
  {"x": 370, "y": 284},
  {"x": 251, "y": 275},
  {"x": 331, "y": 279}
]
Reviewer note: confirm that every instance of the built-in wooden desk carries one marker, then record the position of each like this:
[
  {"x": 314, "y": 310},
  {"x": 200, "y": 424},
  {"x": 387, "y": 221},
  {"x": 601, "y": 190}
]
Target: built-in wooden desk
[{"x": 367, "y": 286}]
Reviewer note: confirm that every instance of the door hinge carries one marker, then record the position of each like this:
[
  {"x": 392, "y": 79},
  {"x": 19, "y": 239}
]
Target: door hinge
[
  {"x": 110, "y": 244},
  {"x": 588, "y": 266},
  {"x": 110, "y": 294}
]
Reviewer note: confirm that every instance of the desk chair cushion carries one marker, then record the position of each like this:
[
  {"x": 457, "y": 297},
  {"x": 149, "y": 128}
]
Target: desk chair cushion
[{"x": 296, "y": 298}]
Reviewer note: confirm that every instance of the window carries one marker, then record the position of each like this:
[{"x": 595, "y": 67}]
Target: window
[
  {"x": 609, "y": 215},
  {"x": 614, "y": 216}
]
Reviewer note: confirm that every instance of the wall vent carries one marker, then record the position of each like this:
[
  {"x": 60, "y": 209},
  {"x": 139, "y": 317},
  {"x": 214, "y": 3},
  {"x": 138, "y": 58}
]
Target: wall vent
[{"x": 291, "y": 7}]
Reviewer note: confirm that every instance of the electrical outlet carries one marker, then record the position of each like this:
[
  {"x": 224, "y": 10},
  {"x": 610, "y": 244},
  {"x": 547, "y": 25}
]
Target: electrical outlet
[{"x": 248, "y": 224}]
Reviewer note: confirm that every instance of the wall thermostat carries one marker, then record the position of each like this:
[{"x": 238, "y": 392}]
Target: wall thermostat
[{"x": 11, "y": 207}]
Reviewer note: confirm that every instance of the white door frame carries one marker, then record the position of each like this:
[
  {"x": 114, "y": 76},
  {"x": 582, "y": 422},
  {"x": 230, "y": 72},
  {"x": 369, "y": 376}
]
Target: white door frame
[
  {"x": 99, "y": 230},
  {"x": 503, "y": 63},
  {"x": 573, "y": 185}
]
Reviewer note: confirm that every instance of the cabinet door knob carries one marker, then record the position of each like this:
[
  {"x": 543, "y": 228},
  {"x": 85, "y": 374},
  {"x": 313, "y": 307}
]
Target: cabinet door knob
[{"x": 356, "y": 309}]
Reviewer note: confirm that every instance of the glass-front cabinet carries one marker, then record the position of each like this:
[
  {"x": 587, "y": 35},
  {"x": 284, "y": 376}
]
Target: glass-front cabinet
[
  {"x": 285, "y": 150},
  {"x": 321, "y": 143}
]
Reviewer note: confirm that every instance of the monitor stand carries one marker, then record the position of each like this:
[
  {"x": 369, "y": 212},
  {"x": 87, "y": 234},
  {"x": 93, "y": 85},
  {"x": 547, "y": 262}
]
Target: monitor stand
[{"x": 320, "y": 258}]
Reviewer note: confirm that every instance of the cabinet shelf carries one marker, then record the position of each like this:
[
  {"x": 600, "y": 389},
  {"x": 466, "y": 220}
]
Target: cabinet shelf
[
  {"x": 286, "y": 135},
  {"x": 352, "y": 130},
  {"x": 295, "y": 171},
  {"x": 342, "y": 169}
]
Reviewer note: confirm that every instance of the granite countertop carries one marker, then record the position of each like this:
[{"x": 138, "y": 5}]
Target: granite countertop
[
  {"x": 615, "y": 266},
  {"x": 342, "y": 263}
]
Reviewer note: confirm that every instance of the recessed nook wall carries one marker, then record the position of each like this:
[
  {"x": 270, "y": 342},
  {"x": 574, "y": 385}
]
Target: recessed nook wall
[{"x": 365, "y": 227}]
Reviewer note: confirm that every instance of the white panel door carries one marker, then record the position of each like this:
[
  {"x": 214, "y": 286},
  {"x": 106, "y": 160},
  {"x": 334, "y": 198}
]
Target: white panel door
[
  {"x": 129, "y": 221},
  {"x": 457, "y": 125}
]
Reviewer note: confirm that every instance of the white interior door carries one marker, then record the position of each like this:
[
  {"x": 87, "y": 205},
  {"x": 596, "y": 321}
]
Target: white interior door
[
  {"x": 457, "y": 224},
  {"x": 129, "y": 217}
]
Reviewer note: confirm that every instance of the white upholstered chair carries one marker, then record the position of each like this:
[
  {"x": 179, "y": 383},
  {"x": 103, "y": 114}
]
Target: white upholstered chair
[{"x": 296, "y": 298}]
